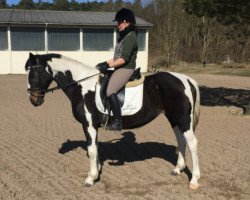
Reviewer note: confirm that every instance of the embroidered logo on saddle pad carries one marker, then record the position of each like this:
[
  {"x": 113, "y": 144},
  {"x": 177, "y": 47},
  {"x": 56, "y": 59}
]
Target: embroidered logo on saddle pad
[{"x": 132, "y": 100}]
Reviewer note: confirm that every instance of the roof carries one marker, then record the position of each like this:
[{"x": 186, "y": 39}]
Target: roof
[{"x": 15, "y": 16}]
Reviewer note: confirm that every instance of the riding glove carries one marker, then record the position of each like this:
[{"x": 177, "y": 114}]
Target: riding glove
[{"x": 102, "y": 67}]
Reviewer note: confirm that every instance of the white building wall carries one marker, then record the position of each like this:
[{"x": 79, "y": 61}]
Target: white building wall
[
  {"x": 4, "y": 62},
  {"x": 13, "y": 62}
]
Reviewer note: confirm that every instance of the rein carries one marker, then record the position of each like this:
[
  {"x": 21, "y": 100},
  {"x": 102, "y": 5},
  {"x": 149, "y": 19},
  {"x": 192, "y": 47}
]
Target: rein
[
  {"x": 70, "y": 84},
  {"x": 29, "y": 90}
]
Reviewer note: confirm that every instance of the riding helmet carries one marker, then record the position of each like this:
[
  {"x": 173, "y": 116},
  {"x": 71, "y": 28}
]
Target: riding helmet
[{"x": 125, "y": 14}]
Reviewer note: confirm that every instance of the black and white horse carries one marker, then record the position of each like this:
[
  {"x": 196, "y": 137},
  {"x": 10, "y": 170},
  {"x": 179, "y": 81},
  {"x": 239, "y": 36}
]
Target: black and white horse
[{"x": 175, "y": 95}]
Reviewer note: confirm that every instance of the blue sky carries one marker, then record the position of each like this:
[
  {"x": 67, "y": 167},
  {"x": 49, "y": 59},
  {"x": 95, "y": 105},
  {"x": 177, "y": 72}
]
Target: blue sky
[{"x": 10, "y": 2}]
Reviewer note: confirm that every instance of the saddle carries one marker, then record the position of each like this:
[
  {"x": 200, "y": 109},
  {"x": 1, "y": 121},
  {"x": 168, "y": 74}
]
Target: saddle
[{"x": 135, "y": 80}]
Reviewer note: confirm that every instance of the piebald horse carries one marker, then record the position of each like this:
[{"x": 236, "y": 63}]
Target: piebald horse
[{"x": 175, "y": 95}]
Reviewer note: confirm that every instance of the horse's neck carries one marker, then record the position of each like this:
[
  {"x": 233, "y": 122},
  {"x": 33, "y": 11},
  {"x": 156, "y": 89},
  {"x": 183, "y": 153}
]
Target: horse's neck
[
  {"x": 78, "y": 69},
  {"x": 74, "y": 71}
]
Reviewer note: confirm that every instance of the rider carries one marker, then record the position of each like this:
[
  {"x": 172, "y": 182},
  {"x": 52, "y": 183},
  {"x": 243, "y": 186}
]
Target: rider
[{"x": 123, "y": 62}]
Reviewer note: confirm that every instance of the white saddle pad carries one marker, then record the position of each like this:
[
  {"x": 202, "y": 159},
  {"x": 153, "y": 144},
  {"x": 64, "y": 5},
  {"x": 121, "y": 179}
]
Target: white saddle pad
[{"x": 132, "y": 102}]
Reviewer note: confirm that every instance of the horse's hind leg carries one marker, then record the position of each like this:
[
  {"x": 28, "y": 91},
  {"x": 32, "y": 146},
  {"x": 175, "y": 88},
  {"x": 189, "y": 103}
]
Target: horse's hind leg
[
  {"x": 192, "y": 145},
  {"x": 181, "y": 151},
  {"x": 185, "y": 135}
]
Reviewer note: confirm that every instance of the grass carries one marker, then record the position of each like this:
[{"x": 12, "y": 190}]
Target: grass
[{"x": 236, "y": 70}]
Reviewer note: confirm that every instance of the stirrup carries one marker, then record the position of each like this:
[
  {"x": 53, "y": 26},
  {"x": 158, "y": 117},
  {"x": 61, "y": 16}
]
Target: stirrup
[{"x": 115, "y": 125}]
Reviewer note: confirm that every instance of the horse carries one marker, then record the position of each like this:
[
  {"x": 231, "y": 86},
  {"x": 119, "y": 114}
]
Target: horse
[{"x": 175, "y": 95}]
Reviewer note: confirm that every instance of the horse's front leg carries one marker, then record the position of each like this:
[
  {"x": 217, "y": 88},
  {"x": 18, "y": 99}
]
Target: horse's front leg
[{"x": 95, "y": 167}]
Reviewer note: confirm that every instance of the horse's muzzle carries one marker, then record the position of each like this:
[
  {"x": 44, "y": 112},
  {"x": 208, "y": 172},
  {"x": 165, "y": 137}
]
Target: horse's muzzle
[{"x": 36, "y": 98}]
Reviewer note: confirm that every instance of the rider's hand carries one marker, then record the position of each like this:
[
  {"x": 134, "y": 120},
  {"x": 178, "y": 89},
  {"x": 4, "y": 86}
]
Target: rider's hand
[{"x": 102, "y": 67}]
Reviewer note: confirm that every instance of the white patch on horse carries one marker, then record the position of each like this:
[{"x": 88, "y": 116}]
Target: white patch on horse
[
  {"x": 181, "y": 151},
  {"x": 189, "y": 134},
  {"x": 28, "y": 72},
  {"x": 92, "y": 151},
  {"x": 77, "y": 69},
  {"x": 192, "y": 145},
  {"x": 184, "y": 79}
]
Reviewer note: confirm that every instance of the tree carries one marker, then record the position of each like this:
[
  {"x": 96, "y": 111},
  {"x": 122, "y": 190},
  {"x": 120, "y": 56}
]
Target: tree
[
  {"x": 225, "y": 11},
  {"x": 109, "y": 6},
  {"x": 3, "y": 4},
  {"x": 26, "y": 5},
  {"x": 74, "y": 5},
  {"x": 60, "y": 5},
  {"x": 138, "y": 7},
  {"x": 234, "y": 14},
  {"x": 118, "y": 4},
  {"x": 43, "y": 5},
  {"x": 171, "y": 28}
]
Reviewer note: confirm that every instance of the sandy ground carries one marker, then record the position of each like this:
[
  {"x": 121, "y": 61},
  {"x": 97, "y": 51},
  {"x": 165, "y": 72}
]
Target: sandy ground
[{"x": 43, "y": 151}]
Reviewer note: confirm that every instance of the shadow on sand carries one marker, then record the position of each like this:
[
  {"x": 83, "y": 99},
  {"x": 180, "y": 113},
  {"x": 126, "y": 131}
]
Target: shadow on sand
[
  {"x": 127, "y": 150},
  {"x": 225, "y": 97}
]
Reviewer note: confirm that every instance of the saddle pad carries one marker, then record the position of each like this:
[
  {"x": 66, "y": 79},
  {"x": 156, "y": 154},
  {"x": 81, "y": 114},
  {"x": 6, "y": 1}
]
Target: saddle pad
[{"x": 132, "y": 102}]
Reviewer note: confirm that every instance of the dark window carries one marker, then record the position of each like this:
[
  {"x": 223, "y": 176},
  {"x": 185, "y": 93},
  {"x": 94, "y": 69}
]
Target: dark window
[
  {"x": 3, "y": 38},
  {"x": 64, "y": 39},
  {"x": 141, "y": 39},
  {"x": 141, "y": 36},
  {"x": 98, "y": 40},
  {"x": 27, "y": 39}
]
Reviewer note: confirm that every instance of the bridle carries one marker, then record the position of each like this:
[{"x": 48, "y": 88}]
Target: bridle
[
  {"x": 39, "y": 89},
  {"x": 42, "y": 91}
]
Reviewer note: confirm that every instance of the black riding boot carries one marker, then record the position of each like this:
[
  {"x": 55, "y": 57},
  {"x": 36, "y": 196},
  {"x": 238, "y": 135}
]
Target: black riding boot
[{"x": 116, "y": 123}]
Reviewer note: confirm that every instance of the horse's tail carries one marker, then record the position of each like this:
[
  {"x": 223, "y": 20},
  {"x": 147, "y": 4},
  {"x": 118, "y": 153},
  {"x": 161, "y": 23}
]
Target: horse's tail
[{"x": 196, "y": 112}]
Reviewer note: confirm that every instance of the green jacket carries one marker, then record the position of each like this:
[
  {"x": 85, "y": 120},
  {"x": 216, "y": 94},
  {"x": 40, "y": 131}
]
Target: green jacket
[{"x": 127, "y": 49}]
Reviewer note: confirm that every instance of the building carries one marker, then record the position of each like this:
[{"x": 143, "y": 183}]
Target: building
[{"x": 89, "y": 37}]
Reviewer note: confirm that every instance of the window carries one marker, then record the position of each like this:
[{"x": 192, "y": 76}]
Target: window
[
  {"x": 141, "y": 36},
  {"x": 141, "y": 39},
  {"x": 27, "y": 39},
  {"x": 64, "y": 39},
  {"x": 3, "y": 39},
  {"x": 98, "y": 40}
]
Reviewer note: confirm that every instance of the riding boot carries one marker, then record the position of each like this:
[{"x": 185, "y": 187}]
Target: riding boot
[{"x": 116, "y": 122}]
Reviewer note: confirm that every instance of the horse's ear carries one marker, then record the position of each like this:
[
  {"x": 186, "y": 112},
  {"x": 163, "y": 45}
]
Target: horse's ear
[
  {"x": 32, "y": 58},
  {"x": 31, "y": 55}
]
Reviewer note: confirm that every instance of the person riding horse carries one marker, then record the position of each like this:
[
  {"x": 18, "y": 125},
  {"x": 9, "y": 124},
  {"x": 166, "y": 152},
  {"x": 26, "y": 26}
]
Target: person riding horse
[{"x": 123, "y": 62}]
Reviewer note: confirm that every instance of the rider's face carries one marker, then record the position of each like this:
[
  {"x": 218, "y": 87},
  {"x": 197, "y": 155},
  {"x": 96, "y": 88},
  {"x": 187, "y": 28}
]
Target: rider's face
[{"x": 122, "y": 25}]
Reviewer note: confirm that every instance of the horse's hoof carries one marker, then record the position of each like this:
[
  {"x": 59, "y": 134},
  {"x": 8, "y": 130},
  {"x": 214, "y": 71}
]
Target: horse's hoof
[
  {"x": 173, "y": 173},
  {"x": 87, "y": 185},
  {"x": 194, "y": 186},
  {"x": 88, "y": 182}
]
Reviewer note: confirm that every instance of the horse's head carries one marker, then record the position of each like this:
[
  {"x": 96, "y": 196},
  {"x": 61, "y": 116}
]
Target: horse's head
[{"x": 39, "y": 78}]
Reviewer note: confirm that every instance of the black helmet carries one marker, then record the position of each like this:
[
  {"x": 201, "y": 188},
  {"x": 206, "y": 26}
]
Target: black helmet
[{"x": 125, "y": 14}]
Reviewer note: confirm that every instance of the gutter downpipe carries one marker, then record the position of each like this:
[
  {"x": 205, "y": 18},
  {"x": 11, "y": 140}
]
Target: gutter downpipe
[
  {"x": 9, "y": 50},
  {"x": 46, "y": 37}
]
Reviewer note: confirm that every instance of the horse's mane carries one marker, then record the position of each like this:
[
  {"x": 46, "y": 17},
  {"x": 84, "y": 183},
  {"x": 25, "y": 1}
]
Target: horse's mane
[
  {"x": 75, "y": 61},
  {"x": 44, "y": 58},
  {"x": 47, "y": 57}
]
